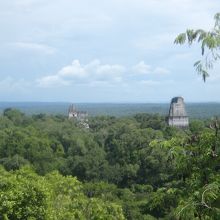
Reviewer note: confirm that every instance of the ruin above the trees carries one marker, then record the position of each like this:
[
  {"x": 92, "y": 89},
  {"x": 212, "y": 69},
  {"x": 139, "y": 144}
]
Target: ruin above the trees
[{"x": 177, "y": 113}]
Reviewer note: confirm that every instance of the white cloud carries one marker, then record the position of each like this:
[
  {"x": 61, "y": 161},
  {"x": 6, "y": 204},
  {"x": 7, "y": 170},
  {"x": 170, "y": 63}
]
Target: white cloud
[
  {"x": 77, "y": 73},
  {"x": 75, "y": 70},
  {"x": 142, "y": 68},
  {"x": 36, "y": 47},
  {"x": 110, "y": 71},
  {"x": 95, "y": 73},
  {"x": 52, "y": 81}
]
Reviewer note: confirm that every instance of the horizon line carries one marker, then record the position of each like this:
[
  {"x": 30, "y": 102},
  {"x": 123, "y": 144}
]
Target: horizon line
[{"x": 115, "y": 102}]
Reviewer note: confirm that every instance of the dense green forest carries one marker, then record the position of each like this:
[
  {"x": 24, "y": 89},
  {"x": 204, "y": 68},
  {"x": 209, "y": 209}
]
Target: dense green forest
[{"x": 121, "y": 168}]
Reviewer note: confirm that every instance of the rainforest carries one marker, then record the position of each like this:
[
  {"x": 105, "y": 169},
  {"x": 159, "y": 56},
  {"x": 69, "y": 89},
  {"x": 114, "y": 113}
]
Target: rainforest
[{"x": 133, "y": 167}]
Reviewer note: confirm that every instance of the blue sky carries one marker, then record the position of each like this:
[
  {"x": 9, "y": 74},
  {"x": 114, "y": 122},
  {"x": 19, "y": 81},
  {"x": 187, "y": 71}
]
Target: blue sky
[{"x": 103, "y": 51}]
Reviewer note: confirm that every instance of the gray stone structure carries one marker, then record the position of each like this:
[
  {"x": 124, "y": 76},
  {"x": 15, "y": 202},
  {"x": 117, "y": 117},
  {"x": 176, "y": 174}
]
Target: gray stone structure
[
  {"x": 80, "y": 116},
  {"x": 177, "y": 113}
]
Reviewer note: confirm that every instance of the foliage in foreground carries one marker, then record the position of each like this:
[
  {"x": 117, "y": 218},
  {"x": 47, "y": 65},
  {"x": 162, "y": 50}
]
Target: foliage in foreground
[
  {"x": 26, "y": 195},
  {"x": 210, "y": 44}
]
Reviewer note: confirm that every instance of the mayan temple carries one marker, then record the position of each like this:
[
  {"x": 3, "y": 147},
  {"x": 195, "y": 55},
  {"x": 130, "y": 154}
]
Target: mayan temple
[
  {"x": 177, "y": 113},
  {"x": 80, "y": 116}
]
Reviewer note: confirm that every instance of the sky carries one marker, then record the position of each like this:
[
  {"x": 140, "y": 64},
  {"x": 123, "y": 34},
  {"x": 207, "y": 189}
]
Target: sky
[{"x": 103, "y": 51}]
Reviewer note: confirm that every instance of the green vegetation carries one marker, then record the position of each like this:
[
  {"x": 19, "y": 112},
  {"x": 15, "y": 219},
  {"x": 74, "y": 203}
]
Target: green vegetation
[
  {"x": 121, "y": 168},
  {"x": 210, "y": 44},
  {"x": 26, "y": 195}
]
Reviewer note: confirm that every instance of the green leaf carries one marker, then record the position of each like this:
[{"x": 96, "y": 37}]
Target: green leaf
[
  {"x": 197, "y": 63},
  {"x": 180, "y": 39}
]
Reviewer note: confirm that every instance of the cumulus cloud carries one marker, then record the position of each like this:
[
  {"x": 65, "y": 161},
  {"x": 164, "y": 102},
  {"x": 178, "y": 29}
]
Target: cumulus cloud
[
  {"x": 74, "y": 70},
  {"x": 51, "y": 81},
  {"x": 143, "y": 68},
  {"x": 94, "y": 71}
]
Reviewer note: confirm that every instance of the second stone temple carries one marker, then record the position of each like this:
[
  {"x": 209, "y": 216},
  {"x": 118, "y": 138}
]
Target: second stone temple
[{"x": 177, "y": 113}]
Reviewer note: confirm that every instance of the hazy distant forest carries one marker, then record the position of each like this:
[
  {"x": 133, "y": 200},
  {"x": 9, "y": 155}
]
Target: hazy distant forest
[{"x": 135, "y": 168}]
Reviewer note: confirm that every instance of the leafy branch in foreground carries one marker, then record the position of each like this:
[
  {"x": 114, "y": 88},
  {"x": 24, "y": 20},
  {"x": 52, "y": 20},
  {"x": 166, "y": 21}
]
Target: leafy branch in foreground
[{"x": 210, "y": 45}]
